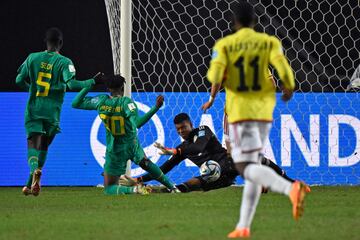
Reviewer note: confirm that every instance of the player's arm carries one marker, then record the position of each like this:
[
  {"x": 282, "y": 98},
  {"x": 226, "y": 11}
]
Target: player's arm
[
  {"x": 131, "y": 111},
  {"x": 165, "y": 168},
  {"x": 22, "y": 78},
  {"x": 68, "y": 73},
  {"x": 216, "y": 71},
  {"x": 215, "y": 88},
  {"x": 140, "y": 121},
  {"x": 202, "y": 138},
  {"x": 280, "y": 63},
  {"x": 81, "y": 101}
]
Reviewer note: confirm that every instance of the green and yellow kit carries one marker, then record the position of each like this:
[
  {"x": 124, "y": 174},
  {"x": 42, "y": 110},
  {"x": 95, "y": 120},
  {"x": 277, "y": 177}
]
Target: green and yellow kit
[
  {"x": 121, "y": 120},
  {"x": 45, "y": 74}
]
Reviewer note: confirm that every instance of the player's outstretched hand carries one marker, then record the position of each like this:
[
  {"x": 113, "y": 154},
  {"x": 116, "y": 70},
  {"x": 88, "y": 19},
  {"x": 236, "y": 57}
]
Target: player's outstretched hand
[
  {"x": 165, "y": 150},
  {"x": 127, "y": 181},
  {"x": 207, "y": 105},
  {"x": 159, "y": 101},
  {"x": 99, "y": 78},
  {"x": 286, "y": 95}
]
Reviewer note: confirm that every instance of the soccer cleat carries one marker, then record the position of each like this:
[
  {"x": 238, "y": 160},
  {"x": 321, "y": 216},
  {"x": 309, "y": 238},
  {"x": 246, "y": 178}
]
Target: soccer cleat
[
  {"x": 35, "y": 185},
  {"x": 175, "y": 190},
  {"x": 239, "y": 233},
  {"x": 143, "y": 190},
  {"x": 297, "y": 196},
  {"x": 26, "y": 191}
]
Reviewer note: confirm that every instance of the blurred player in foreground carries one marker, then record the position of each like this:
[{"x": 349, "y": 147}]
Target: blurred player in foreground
[
  {"x": 120, "y": 117},
  {"x": 264, "y": 161},
  {"x": 45, "y": 75},
  {"x": 201, "y": 145},
  {"x": 250, "y": 101}
]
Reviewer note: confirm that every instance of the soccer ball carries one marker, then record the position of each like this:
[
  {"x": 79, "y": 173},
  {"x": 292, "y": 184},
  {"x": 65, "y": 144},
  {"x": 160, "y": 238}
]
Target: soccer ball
[{"x": 210, "y": 171}]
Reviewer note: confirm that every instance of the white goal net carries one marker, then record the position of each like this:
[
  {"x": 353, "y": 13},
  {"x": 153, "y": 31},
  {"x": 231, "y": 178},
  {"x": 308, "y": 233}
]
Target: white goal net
[{"x": 316, "y": 137}]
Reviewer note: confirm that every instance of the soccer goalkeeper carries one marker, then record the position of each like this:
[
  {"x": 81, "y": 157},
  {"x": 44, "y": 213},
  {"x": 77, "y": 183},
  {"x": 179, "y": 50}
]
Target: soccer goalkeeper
[
  {"x": 120, "y": 117},
  {"x": 45, "y": 75},
  {"x": 201, "y": 145}
]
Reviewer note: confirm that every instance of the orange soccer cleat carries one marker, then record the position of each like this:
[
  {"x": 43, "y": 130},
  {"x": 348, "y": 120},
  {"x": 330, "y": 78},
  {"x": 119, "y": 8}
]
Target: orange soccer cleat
[
  {"x": 297, "y": 196},
  {"x": 240, "y": 233}
]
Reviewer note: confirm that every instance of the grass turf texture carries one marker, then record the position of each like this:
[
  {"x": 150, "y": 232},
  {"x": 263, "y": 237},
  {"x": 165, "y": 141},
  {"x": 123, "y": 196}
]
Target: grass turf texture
[{"x": 85, "y": 213}]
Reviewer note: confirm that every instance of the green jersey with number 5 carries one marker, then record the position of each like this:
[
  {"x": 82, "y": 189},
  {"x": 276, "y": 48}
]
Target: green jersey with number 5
[{"x": 45, "y": 75}]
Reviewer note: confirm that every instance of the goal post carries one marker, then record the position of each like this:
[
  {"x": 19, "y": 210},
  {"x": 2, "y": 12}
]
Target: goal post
[{"x": 121, "y": 51}]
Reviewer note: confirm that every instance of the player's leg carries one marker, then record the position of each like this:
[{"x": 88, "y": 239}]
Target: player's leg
[
  {"x": 37, "y": 146},
  {"x": 111, "y": 186},
  {"x": 41, "y": 143},
  {"x": 252, "y": 137},
  {"x": 193, "y": 184},
  {"x": 51, "y": 129},
  {"x": 33, "y": 129},
  {"x": 245, "y": 145},
  {"x": 267, "y": 162},
  {"x": 156, "y": 173},
  {"x": 138, "y": 157},
  {"x": 115, "y": 166}
]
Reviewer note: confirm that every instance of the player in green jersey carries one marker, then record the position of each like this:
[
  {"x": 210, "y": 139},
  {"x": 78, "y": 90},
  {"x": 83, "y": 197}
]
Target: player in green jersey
[
  {"x": 45, "y": 75},
  {"x": 120, "y": 117}
]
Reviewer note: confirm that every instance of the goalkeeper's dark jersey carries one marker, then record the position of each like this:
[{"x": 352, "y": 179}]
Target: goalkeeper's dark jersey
[{"x": 201, "y": 146}]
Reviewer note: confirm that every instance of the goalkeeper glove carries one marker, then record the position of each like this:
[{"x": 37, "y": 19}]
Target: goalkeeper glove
[{"x": 165, "y": 150}]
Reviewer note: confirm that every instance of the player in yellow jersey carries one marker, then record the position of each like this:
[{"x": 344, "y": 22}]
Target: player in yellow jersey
[{"x": 245, "y": 56}]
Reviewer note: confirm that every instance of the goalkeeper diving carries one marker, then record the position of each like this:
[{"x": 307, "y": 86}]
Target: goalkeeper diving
[
  {"x": 200, "y": 145},
  {"x": 120, "y": 117}
]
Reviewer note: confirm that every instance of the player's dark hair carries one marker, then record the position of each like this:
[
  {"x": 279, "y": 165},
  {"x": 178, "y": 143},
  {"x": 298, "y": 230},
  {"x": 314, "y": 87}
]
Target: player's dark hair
[
  {"x": 243, "y": 12},
  {"x": 114, "y": 81},
  {"x": 54, "y": 36},
  {"x": 181, "y": 117}
]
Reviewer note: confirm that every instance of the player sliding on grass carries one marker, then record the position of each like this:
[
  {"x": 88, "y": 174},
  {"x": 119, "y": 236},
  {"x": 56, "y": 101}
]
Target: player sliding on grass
[
  {"x": 45, "y": 75},
  {"x": 120, "y": 117},
  {"x": 201, "y": 145},
  {"x": 250, "y": 101}
]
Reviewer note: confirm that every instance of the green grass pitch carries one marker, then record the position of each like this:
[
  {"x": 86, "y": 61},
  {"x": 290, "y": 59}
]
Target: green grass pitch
[{"x": 85, "y": 213}]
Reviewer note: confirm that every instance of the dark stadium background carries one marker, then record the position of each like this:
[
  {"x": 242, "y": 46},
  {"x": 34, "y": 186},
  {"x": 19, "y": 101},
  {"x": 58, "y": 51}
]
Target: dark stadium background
[{"x": 314, "y": 57}]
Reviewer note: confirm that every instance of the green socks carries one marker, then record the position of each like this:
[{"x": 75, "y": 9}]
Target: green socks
[
  {"x": 29, "y": 182},
  {"x": 33, "y": 159},
  {"x": 36, "y": 159},
  {"x": 42, "y": 158},
  {"x": 118, "y": 190},
  {"x": 158, "y": 175}
]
